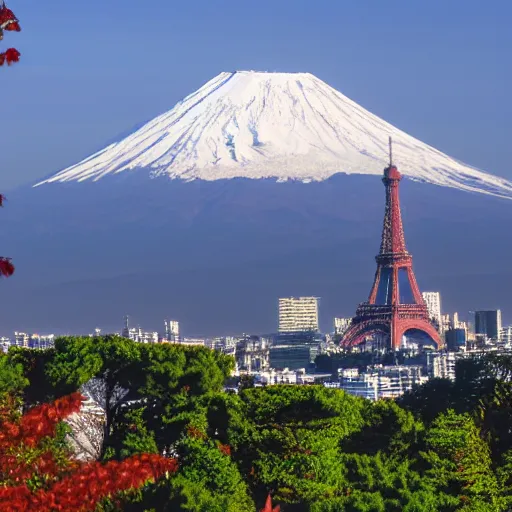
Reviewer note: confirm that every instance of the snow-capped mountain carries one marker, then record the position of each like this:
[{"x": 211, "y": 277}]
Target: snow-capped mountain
[
  {"x": 285, "y": 126},
  {"x": 214, "y": 250}
]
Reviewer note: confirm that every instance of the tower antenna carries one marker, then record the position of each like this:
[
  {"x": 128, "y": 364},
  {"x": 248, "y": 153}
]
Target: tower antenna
[{"x": 390, "y": 151}]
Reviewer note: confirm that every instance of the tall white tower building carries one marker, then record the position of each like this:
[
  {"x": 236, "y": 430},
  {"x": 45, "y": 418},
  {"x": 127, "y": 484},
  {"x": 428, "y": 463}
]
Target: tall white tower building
[
  {"x": 433, "y": 302},
  {"x": 298, "y": 314},
  {"x": 172, "y": 330}
]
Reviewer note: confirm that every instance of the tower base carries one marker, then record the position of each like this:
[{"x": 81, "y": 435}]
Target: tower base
[{"x": 392, "y": 320}]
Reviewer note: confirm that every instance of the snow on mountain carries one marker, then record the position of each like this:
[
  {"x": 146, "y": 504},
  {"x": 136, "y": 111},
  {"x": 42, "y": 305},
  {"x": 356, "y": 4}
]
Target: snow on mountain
[{"x": 287, "y": 126}]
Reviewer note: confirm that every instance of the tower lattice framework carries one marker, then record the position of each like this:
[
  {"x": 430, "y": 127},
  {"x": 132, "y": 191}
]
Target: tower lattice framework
[{"x": 395, "y": 304}]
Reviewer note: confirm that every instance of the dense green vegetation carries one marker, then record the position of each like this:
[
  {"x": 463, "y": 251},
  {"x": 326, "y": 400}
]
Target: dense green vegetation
[{"x": 446, "y": 446}]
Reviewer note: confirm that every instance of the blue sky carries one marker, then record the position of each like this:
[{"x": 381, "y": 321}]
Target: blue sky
[{"x": 439, "y": 70}]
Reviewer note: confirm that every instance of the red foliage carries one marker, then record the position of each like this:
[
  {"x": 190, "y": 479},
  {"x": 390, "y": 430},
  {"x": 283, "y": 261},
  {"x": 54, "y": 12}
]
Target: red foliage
[
  {"x": 86, "y": 487},
  {"x": 8, "y": 20},
  {"x": 67, "y": 484},
  {"x": 6, "y": 267},
  {"x": 8, "y": 23},
  {"x": 225, "y": 449},
  {"x": 9, "y": 56},
  {"x": 195, "y": 433},
  {"x": 268, "y": 506}
]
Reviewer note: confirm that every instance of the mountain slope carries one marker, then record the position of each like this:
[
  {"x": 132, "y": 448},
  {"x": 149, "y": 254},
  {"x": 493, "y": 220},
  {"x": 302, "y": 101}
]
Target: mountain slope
[{"x": 274, "y": 125}]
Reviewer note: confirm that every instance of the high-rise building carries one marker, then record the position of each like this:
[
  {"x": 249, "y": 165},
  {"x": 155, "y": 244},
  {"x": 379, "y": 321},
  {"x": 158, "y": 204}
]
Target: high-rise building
[
  {"x": 298, "y": 314},
  {"x": 21, "y": 339},
  {"x": 455, "y": 339},
  {"x": 294, "y": 350},
  {"x": 5, "y": 343},
  {"x": 433, "y": 302},
  {"x": 137, "y": 334},
  {"x": 506, "y": 335},
  {"x": 172, "y": 331},
  {"x": 446, "y": 322},
  {"x": 488, "y": 323}
]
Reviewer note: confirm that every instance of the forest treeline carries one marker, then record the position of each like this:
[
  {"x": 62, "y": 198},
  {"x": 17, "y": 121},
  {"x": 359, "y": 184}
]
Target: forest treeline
[{"x": 445, "y": 446}]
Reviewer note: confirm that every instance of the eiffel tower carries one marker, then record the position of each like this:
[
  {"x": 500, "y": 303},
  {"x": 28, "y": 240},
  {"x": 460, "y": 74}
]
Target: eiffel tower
[{"x": 395, "y": 305}]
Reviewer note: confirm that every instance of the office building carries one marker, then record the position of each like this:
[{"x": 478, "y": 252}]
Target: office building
[
  {"x": 172, "y": 331},
  {"x": 442, "y": 364},
  {"x": 252, "y": 354},
  {"x": 298, "y": 314},
  {"x": 488, "y": 323},
  {"x": 140, "y": 336},
  {"x": 433, "y": 302},
  {"x": 446, "y": 323},
  {"x": 137, "y": 334},
  {"x": 381, "y": 381},
  {"x": 455, "y": 339},
  {"x": 5, "y": 343},
  {"x": 295, "y": 350},
  {"x": 21, "y": 339},
  {"x": 506, "y": 335},
  {"x": 41, "y": 342}
]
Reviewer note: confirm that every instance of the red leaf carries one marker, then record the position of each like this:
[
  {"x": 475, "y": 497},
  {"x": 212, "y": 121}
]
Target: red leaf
[
  {"x": 12, "y": 55},
  {"x": 8, "y": 20},
  {"x": 268, "y": 506},
  {"x": 6, "y": 267}
]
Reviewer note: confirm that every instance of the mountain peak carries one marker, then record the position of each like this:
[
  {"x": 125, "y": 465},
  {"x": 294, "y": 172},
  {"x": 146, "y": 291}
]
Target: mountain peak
[{"x": 286, "y": 126}]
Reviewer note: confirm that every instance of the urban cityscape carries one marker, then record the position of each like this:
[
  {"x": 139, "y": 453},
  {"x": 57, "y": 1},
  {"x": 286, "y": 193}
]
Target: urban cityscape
[{"x": 397, "y": 320}]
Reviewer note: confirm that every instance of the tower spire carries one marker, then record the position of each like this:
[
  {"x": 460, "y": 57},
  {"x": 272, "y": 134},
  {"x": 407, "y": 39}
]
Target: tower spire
[{"x": 390, "y": 151}]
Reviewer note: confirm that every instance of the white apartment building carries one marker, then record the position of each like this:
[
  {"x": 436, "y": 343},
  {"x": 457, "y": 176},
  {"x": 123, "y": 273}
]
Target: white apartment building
[
  {"x": 286, "y": 376},
  {"x": 442, "y": 364},
  {"x": 506, "y": 335},
  {"x": 433, "y": 302},
  {"x": 21, "y": 339},
  {"x": 140, "y": 336},
  {"x": 298, "y": 314},
  {"x": 381, "y": 381},
  {"x": 41, "y": 342},
  {"x": 172, "y": 330},
  {"x": 341, "y": 325},
  {"x": 193, "y": 342},
  {"x": 5, "y": 343}
]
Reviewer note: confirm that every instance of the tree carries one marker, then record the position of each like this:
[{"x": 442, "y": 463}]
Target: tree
[
  {"x": 287, "y": 440},
  {"x": 40, "y": 388},
  {"x": 12, "y": 379},
  {"x": 459, "y": 461},
  {"x": 105, "y": 367},
  {"x": 430, "y": 399},
  {"x": 37, "y": 473}
]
